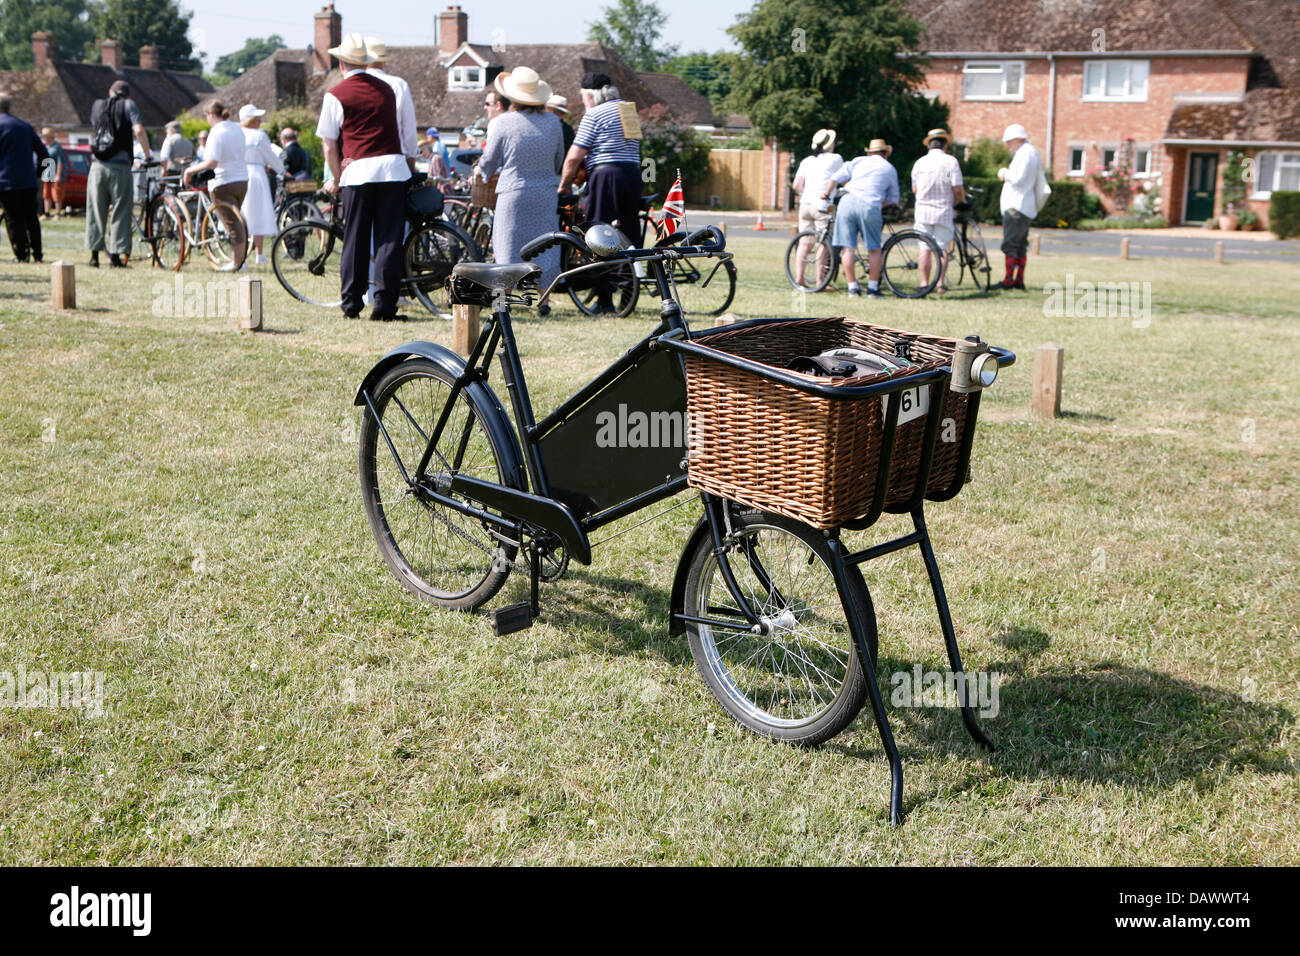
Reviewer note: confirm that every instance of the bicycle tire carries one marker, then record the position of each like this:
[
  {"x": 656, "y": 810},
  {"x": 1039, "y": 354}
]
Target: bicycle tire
[
  {"x": 298, "y": 209},
  {"x": 710, "y": 289},
  {"x": 465, "y": 564},
  {"x": 307, "y": 260},
  {"x": 977, "y": 258},
  {"x": 584, "y": 290},
  {"x": 218, "y": 244},
  {"x": 897, "y": 275},
  {"x": 430, "y": 253},
  {"x": 735, "y": 665},
  {"x": 165, "y": 230},
  {"x": 831, "y": 270}
]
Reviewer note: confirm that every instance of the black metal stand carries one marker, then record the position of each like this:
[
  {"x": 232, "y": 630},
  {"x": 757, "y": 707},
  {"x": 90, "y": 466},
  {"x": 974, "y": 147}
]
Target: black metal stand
[{"x": 920, "y": 537}]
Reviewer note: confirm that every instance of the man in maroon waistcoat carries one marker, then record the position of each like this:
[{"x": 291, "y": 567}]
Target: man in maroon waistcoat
[{"x": 363, "y": 149}]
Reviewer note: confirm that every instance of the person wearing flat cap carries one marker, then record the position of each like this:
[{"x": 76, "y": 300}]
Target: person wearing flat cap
[
  {"x": 1024, "y": 190},
  {"x": 809, "y": 181},
  {"x": 612, "y": 159},
  {"x": 870, "y": 182},
  {"x": 369, "y": 164},
  {"x": 527, "y": 148}
]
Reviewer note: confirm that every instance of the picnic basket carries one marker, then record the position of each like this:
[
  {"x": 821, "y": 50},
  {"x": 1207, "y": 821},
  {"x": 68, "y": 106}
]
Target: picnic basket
[{"x": 816, "y": 454}]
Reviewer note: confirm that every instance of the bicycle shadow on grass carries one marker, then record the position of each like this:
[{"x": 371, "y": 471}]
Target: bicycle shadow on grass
[{"x": 1102, "y": 723}]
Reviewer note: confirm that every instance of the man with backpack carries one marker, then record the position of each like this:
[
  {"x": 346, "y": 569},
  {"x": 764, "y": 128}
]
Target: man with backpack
[{"x": 114, "y": 122}]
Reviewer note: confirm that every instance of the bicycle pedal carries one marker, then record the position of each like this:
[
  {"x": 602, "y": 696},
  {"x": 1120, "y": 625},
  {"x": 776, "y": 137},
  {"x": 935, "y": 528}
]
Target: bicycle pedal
[{"x": 511, "y": 618}]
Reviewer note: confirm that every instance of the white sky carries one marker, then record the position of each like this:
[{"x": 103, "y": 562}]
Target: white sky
[{"x": 222, "y": 26}]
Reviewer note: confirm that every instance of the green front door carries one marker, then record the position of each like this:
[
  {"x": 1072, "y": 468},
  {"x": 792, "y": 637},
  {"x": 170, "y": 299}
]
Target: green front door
[{"x": 1201, "y": 173}]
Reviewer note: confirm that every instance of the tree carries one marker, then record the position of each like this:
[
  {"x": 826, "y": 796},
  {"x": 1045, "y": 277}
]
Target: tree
[
  {"x": 708, "y": 73},
  {"x": 68, "y": 20},
  {"x": 161, "y": 23},
  {"x": 255, "y": 50},
  {"x": 838, "y": 64},
  {"x": 633, "y": 28}
]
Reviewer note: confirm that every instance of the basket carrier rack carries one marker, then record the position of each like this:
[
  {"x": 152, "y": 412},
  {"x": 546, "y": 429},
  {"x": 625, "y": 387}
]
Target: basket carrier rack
[{"x": 718, "y": 508}]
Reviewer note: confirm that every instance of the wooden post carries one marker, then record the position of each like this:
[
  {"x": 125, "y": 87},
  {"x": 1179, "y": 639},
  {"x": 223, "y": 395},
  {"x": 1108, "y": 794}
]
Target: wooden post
[
  {"x": 63, "y": 285},
  {"x": 1049, "y": 360},
  {"x": 250, "y": 303},
  {"x": 464, "y": 328},
  {"x": 1123, "y": 248},
  {"x": 1218, "y": 252},
  {"x": 1038, "y": 244}
]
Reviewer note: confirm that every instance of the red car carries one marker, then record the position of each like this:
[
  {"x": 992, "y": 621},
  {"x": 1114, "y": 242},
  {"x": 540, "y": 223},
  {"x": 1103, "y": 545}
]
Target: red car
[{"x": 74, "y": 188}]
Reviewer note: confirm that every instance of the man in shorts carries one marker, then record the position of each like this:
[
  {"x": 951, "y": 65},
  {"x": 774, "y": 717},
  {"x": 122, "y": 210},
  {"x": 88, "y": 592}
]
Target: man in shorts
[
  {"x": 937, "y": 185},
  {"x": 870, "y": 182},
  {"x": 809, "y": 183}
]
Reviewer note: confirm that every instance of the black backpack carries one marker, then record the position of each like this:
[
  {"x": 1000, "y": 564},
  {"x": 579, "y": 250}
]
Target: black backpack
[{"x": 106, "y": 120}]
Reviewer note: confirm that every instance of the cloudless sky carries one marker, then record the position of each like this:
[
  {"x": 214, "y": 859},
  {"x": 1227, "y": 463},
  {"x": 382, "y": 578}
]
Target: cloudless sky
[{"x": 221, "y": 26}]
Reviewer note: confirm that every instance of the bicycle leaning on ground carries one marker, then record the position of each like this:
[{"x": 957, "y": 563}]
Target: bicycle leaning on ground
[
  {"x": 967, "y": 252},
  {"x": 900, "y": 257},
  {"x": 773, "y": 604}
]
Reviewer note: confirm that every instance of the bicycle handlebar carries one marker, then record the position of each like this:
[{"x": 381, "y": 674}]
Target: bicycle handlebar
[{"x": 535, "y": 247}]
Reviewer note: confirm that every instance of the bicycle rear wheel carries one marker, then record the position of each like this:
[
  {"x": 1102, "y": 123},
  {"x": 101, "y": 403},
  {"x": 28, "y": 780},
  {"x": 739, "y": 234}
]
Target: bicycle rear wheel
[
  {"x": 166, "y": 226},
  {"x": 902, "y": 264},
  {"x": 431, "y": 252},
  {"x": 977, "y": 258},
  {"x": 218, "y": 241},
  {"x": 307, "y": 258},
  {"x": 298, "y": 209},
  {"x": 618, "y": 281},
  {"x": 706, "y": 289},
  {"x": 821, "y": 264}
]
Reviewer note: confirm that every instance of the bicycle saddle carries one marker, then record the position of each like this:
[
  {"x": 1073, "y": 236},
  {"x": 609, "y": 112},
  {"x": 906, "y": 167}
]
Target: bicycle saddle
[{"x": 496, "y": 277}]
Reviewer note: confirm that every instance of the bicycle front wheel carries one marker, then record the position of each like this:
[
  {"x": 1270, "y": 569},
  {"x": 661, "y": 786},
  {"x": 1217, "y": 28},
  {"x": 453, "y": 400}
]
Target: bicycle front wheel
[
  {"x": 800, "y": 680},
  {"x": 820, "y": 263},
  {"x": 167, "y": 233},
  {"x": 912, "y": 263},
  {"x": 977, "y": 257},
  {"x": 224, "y": 236},
  {"x": 438, "y": 553},
  {"x": 307, "y": 258},
  {"x": 431, "y": 252},
  {"x": 704, "y": 289},
  {"x": 298, "y": 209}
]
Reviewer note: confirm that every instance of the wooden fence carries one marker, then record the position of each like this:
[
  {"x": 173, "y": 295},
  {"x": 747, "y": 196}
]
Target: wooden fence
[{"x": 735, "y": 177}]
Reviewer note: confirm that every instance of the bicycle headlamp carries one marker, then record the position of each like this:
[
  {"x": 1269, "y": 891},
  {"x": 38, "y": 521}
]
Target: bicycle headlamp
[{"x": 973, "y": 366}]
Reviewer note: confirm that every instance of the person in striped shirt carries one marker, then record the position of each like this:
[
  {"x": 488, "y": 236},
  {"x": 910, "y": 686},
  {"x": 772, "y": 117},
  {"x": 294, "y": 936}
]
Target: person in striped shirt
[{"x": 612, "y": 160}]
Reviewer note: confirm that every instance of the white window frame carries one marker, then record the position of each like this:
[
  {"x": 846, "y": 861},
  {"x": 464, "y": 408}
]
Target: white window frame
[
  {"x": 1114, "y": 155},
  {"x": 1129, "y": 95},
  {"x": 1083, "y": 160},
  {"x": 1280, "y": 157},
  {"x": 988, "y": 67},
  {"x": 1151, "y": 156},
  {"x": 457, "y": 80}
]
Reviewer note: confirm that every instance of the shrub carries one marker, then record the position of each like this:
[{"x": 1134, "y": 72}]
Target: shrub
[
  {"x": 984, "y": 158},
  {"x": 1284, "y": 213},
  {"x": 986, "y": 207},
  {"x": 1092, "y": 207},
  {"x": 1235, "y": 175},
  {"x": 1248, "y": 219},
  {"x": 666, "y": 147},
  {"x": 1064, "y": 207},
  {"x": 304, "y": 121}
]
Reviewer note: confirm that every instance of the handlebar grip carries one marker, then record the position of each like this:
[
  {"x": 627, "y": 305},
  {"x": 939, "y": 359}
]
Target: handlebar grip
[
  {"x": 535, "y": 247},
  {"x": 712, "y": 234}
]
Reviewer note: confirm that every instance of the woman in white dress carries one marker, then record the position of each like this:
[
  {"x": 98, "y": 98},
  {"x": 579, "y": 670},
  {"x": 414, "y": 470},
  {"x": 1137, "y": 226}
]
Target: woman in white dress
[{"x": 258, "y": 207}]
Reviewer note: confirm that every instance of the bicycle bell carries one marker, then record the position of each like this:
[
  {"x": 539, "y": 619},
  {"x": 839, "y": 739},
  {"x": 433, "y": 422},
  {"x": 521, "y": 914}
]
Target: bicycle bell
[{"x": 603, "y": 240}]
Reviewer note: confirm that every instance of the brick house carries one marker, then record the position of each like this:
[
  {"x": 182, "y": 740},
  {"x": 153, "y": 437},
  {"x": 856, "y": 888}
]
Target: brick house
[
  {"x": 1173, "y": 84},
  {"x": 60, "y": 93}
]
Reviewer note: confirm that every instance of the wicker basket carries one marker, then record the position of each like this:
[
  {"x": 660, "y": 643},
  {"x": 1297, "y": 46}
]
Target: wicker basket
[
  {"x": 484, "y": 193},
  {"x": 806, "y": 456},
  {"x": 294, "y": 186}
]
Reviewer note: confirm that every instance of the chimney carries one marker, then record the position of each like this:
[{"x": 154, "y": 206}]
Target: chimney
[
  {"x": 148, "y": 57},
  {"x": 329, "y": 32},
  {"x": 42, "y": 47},
  {"x": 453, "y": 29},
  {"x": 110, "y": 54}
]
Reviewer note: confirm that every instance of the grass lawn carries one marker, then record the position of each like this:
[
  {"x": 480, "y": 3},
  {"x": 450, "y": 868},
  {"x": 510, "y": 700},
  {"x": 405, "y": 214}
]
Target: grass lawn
[{"x": 181, "y": 512}]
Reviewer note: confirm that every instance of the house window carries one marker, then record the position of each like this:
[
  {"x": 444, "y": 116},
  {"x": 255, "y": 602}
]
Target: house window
[
  {"x": 465, "y": 78},
  {"x": 993, "y": 80},
  {"x": 1077, "y": 154},
  {"x": 1115, "y": 80},
  {"x": 1142, "y": 161},
  {"x": 1108, "y": 156},
  {"x": 1276, "y": 171}
]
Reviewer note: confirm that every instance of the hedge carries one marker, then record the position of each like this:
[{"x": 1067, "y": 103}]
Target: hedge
[
  {"x": 1066, "y": 203},
  {"x": 1284, "y": 213}
]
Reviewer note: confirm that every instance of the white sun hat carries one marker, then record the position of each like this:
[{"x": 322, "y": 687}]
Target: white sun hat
[
  {"x": 1014, "y": 131},
  {"x": 248, "y": 111}
]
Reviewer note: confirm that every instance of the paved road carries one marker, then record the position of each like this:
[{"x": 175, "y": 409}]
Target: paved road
[{"x": 1090, "y": 243}]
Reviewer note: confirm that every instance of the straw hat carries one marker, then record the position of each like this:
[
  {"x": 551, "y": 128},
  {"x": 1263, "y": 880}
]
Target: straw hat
[
  {"x": 935, "y": 134},
  {"x": 523, "y": 86},
  {"x": 378, "y": 49},
  {"x": 352, "y": 51},
  {"x": 825, "y": 138},
  {"x": 558, "y": 103},
  {"x": 879, "y": 146},
  {"x": 47, "y": 131}
]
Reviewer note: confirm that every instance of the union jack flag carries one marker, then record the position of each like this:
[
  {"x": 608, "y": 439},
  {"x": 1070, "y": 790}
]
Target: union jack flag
[{"x": 673, "y": 219}]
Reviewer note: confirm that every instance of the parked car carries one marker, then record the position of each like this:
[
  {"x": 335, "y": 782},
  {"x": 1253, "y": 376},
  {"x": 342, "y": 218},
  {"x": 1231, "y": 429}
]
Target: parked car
[
  {"x": 74, "y": 190},
  {"x": 463, "y": 160}
]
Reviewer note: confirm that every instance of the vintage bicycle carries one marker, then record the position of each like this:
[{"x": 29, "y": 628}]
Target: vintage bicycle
[
  {"x": 768, "y": 593},
  {"x": 967, "y": 254},
  {"x": 182, "y": 219},
  {"x": 901, "y": 255}
]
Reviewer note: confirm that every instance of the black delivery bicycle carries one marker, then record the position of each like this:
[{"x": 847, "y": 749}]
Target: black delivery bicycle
[{"x": 776, "y": 611}]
